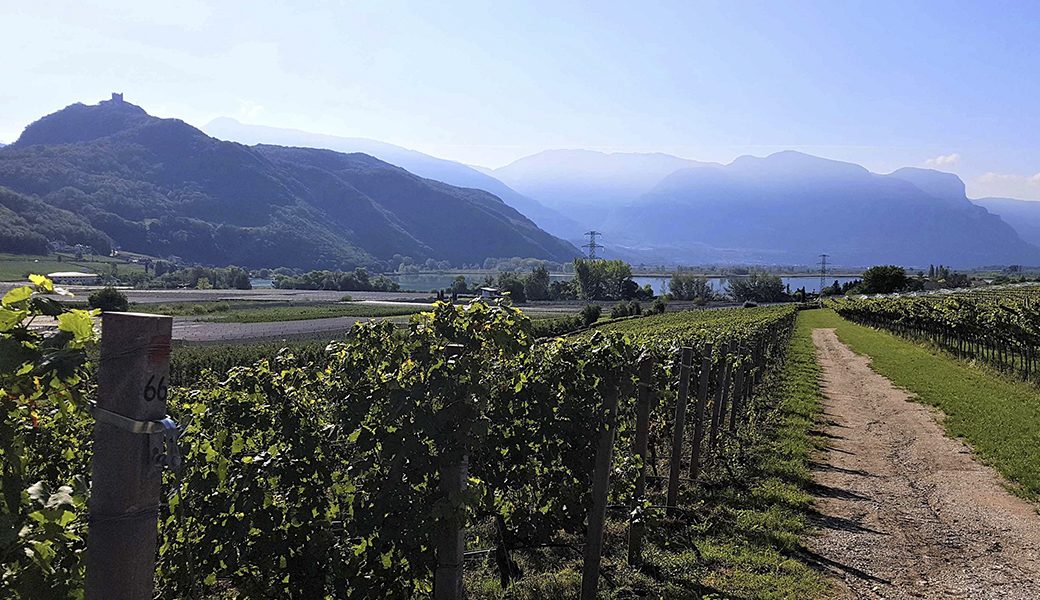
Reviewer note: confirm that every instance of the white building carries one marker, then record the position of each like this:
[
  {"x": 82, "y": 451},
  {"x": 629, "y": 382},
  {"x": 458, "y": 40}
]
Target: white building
[{"x": 73, "y": 278}]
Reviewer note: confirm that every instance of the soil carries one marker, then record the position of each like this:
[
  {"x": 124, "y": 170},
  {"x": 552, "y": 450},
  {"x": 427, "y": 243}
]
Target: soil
[{"x": 904, "y": 511}]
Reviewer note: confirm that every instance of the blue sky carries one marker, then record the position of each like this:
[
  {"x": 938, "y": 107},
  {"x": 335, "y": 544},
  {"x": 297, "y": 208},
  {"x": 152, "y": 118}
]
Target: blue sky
[{"x": 886, "y": 84}]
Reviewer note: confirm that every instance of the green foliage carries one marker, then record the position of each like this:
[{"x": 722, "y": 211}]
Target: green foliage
[
  {"x": 536, "y": 284},
  {"x": 757, "y": 287},
  {"x": 108, "y": 299},
  {"x": 44, "y": 445},
  {"x": 1002, "y": 328},
  {"x": 356, "y": 281},
  {"x": 603, "y": 279},
  {"x": 687, "y": 286},
  {"x": 883, "y": 279},
  {"x": 315, "y": 473},
  {"x": 590, "y": 314},
  {"x": 625, "y": 309}
]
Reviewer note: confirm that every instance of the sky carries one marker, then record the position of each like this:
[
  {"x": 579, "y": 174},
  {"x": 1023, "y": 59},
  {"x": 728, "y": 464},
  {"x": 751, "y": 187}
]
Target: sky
[{"x": 951, "y": 84}]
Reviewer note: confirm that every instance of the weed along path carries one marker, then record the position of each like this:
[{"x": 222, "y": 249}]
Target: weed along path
[{"x": 903, "y": 510}]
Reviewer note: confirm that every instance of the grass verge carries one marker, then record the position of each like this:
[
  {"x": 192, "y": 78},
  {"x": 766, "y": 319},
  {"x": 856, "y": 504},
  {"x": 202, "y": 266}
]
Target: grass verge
[
  {"x": 253, "y": 312},
  {"x": 743, "y": 536},
  {"x": 997, "y": 416}
]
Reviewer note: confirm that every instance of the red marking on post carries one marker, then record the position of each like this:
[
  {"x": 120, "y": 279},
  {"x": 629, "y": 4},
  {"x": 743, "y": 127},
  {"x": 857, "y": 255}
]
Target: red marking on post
[{"x": 159, "y": 349}]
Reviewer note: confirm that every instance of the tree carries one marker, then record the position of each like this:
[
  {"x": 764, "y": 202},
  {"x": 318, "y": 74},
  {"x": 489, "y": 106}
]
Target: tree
[
  {"x": 687, "y": 286},
  {"x": 511, "y": 284},
  {"x": 458, "y": 285},
  {"x": 108, "y": 299},
  {"x": 885, "y": 279},
  {"x": 536, "y": 285},
  {"x": 757, "y": 287},
  {"x": 602, "y": 279}
]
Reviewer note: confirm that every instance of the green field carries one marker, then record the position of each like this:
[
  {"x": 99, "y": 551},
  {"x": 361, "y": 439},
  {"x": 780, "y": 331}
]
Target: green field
[
  {"x": 229, "y": 312},
  {"x": 998, "y": 416},
  {"x": 14, "y": 267}
]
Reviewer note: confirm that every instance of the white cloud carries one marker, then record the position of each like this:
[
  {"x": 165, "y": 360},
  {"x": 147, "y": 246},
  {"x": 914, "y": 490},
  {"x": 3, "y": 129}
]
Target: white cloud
[
  {"x": 992, "y": 177},
  {"x": 1008, "y": 185},
  {"x": 248, "y": 111},
  {"x": 943, "y": 160}
]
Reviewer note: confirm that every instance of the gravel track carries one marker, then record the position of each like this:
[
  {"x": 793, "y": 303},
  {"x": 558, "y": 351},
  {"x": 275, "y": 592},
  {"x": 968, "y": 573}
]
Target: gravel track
[{"x": 904, "y": 511}]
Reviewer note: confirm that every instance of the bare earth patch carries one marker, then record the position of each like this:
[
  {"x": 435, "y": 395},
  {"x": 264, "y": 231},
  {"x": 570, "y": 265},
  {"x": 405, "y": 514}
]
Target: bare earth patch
[{"x": 903, "y": 510}]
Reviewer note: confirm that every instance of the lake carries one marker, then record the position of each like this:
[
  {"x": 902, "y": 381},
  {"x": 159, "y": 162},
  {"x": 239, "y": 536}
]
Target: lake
[{"x": 435, "y": 281}]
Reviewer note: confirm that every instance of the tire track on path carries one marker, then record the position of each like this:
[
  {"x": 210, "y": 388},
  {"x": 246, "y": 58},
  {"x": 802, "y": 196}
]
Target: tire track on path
[{"x": 904, "y": 511}]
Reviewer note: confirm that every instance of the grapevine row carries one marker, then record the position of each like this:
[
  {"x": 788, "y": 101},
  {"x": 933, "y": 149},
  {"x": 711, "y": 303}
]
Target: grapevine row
[
  {"x": 1002, "y": 330},
  {"x": 322, "y": 475}
]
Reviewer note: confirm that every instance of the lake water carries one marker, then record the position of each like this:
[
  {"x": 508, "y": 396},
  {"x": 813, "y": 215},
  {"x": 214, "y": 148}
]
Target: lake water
[{"x": 436, "y": 281}]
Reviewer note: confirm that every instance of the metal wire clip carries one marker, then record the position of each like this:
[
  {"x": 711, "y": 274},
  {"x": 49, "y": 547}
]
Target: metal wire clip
[{"x": 162, "y": 436}]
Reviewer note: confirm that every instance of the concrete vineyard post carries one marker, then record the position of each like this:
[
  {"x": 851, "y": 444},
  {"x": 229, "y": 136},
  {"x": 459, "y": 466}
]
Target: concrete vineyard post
[
  {"x": 600, "y": 487},
  {"x": 678, "y": 428},
  {"x": 704, "y": 381},
  {"x": 451, "y": 541},
  {"x": 642, "y": 441},
  {"x": 133, "y": 380}
]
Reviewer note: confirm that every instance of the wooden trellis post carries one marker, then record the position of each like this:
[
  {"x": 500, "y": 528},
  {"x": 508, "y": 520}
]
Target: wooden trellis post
[
  {"x": 130, "y": 437},
  {"x": 600, "y": 487},
  {"x": 738, "y": 392},
  {"x": 678, "y": 429},
  {"x": 642, "y": 440},
  {"x": 720, "y": 396},
  {"x": 704, "y": 380}
]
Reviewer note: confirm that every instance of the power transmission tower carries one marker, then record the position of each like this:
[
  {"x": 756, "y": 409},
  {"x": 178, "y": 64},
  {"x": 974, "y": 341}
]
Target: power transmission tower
[
  {"x": 823, "y": 272},
  {"x": 592, "y": 245}
]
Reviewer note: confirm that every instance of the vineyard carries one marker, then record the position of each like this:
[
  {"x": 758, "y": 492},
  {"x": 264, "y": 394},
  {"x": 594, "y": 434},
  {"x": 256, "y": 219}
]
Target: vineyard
[
  {"x": 375, "y": 467},
  {"x": 999, "y": 327}
]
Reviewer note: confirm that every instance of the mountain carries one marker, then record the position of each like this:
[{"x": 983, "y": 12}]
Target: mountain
[
  {"x": 1023, "y": 215},
  {"x": 27, "y": 224},
  {"x": 790, "y": 207},
  {"x": 583, "y": 184},
  {"x": 423, "y": 165},
  {"x": 162, "y": 187}
]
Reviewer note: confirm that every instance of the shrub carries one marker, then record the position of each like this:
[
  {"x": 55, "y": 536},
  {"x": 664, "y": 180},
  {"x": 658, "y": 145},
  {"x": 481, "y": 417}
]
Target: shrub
[
  {"x": 658, "y": 307},
  {"x": 626, "y": 309},
  {"x": 590, "y": 314},
  {"x": 109, "y": 299}
]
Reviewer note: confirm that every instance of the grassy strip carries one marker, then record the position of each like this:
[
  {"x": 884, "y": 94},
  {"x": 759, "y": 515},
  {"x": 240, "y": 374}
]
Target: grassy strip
[
  {"x": 15, "y": 267},
  {"x": 306, "y": 312},
  {"x": 743, "y": 540},
  {"x": 998, "y": 416}
]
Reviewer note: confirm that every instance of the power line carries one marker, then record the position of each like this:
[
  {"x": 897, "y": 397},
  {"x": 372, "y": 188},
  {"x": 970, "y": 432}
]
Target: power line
[{"x": 592, "y": 245}]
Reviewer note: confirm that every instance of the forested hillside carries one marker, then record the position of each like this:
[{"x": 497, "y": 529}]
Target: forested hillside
[{"x": 162, "y": 187}]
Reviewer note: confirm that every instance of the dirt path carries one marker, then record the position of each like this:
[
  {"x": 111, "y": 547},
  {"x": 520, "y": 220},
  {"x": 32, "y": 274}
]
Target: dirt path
[{"x": 903, "y": 511}]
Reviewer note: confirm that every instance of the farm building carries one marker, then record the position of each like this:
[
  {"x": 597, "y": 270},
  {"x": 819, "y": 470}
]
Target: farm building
[{"x": 73, "y": 278}]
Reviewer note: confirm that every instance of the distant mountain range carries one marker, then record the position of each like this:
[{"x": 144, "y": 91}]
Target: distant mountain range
[
  {"x": 1023, "y": 215},
  {"x": 159, "y": 186},
  {"x": 423, "y": 165},
  {"x": 112, "y": 175},
  {"x": 786, "y": 208},
  {"x": 584, "y": 185}
]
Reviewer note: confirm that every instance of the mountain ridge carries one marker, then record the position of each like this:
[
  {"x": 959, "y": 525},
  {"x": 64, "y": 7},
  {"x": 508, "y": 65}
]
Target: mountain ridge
[
  {"x": 424, "y": 165},
  {"x": 161, "y": 187},
  {"x": 789, "y": 207}
]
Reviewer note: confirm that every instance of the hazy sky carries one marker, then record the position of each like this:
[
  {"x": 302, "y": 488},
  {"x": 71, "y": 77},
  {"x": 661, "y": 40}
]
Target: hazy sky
[{"x": 955, "y": 84}]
